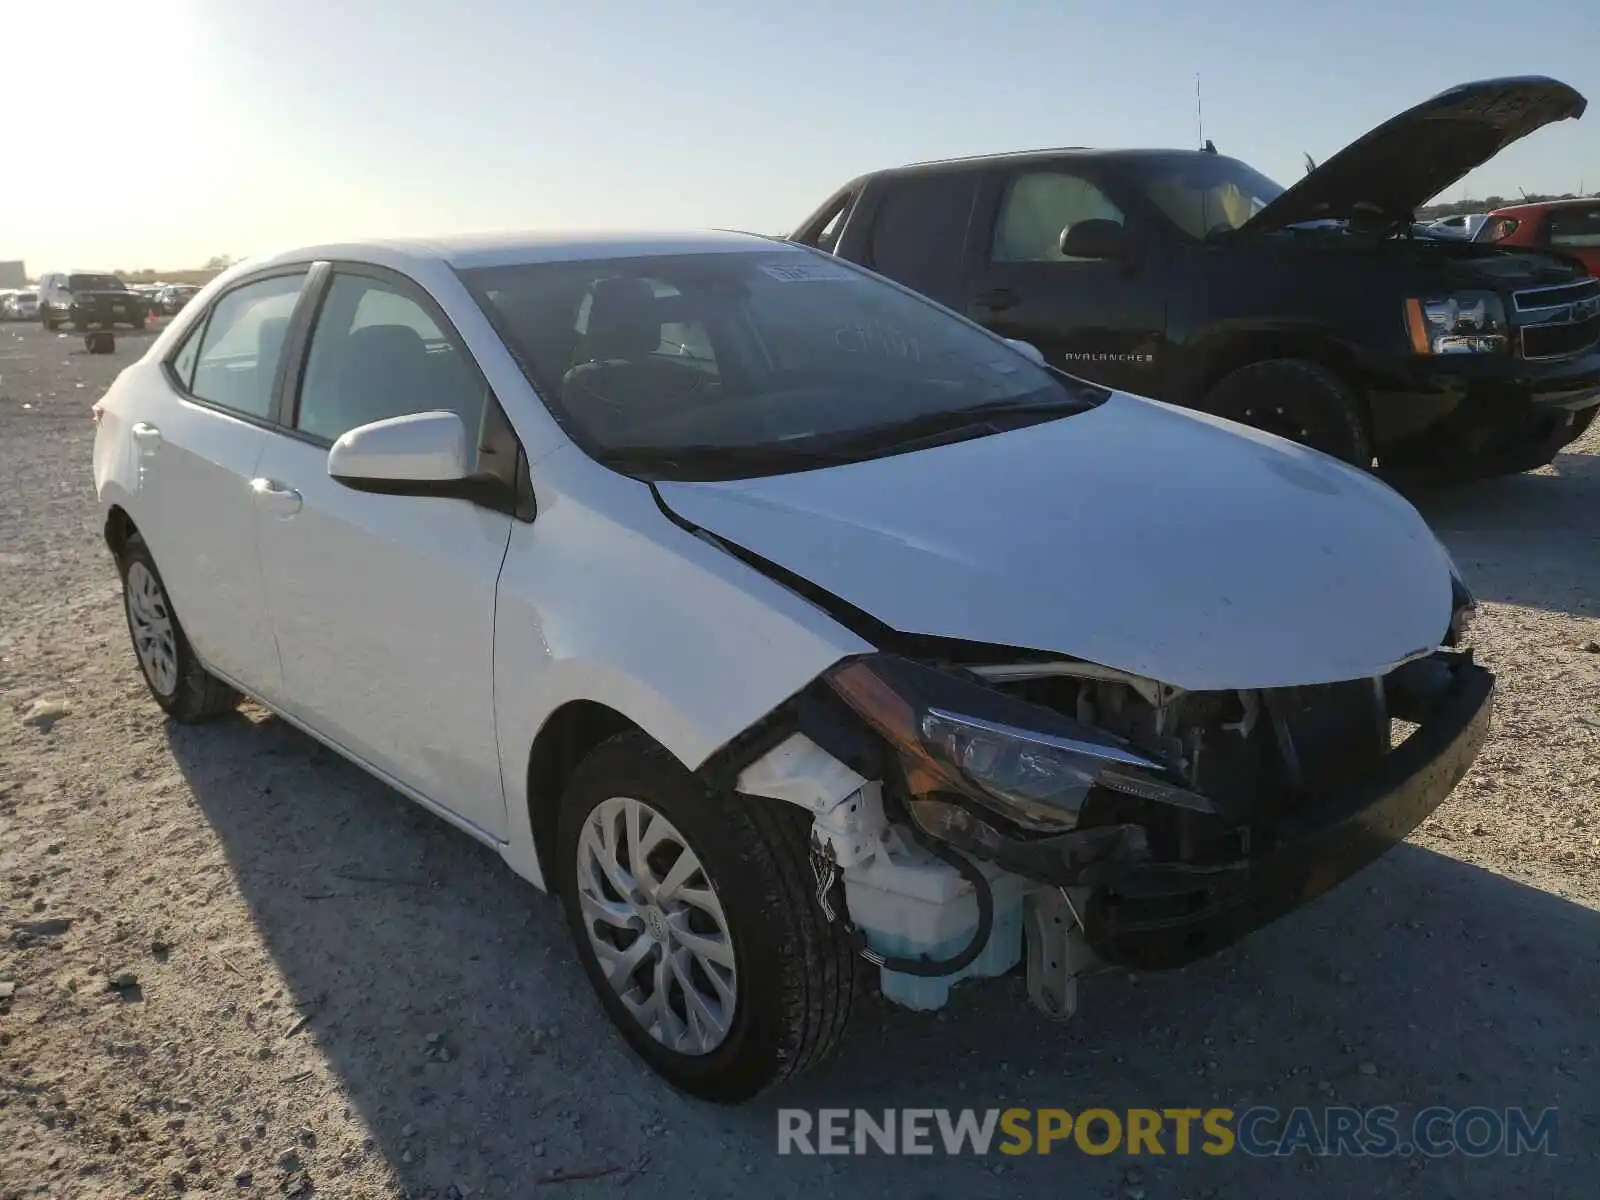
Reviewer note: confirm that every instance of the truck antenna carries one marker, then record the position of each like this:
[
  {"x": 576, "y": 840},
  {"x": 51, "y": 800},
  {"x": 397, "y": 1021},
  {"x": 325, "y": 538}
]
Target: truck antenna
[{"x": 1199, "y": 116}]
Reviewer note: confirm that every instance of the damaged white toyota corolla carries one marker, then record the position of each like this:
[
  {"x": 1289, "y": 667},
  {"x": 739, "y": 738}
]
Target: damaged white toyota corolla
[{"x": 780, "y": 620}]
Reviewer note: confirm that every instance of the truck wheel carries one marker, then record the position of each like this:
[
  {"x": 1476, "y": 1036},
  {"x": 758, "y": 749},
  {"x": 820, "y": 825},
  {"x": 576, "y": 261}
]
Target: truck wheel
[
  {"x": 1299, "y": 400},
  {"x": 187, "y": 691},
  {"x": 694, "y": 916}
]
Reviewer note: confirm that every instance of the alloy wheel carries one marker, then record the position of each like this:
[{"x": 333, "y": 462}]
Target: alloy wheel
[{"x": 656, "y": 925}]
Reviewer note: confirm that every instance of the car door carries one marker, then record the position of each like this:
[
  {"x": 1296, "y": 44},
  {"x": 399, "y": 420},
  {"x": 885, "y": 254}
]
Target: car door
[
  {"x": 198, "y": 444},
  {"x": 383, "y": 605},
  {"x": 1098, "y": 319}
]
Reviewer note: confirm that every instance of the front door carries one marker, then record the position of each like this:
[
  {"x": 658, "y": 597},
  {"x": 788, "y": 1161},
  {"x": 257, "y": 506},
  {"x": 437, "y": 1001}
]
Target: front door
[
  {"x": 1097, "y": 319},
  {"x": 384, "y": 606}
]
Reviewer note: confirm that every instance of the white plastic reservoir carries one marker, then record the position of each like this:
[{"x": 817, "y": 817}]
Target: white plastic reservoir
[{"x": 909, "y": 903}]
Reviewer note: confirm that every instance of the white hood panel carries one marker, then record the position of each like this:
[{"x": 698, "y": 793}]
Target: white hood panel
[{"x": 1137, "y": 535}]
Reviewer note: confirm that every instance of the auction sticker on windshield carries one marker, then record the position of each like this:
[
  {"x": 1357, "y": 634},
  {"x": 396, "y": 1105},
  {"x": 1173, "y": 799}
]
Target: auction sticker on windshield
[{"x": 805, "y": 271}]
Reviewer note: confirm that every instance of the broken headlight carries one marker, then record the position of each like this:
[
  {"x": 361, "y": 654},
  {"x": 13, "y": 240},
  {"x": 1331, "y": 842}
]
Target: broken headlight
[
  {"x": 1028, "y": 764},
  {"x": 1460, "y": 323}
]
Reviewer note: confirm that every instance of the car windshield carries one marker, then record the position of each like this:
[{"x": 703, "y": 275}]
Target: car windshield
[
  {"x": 1206, "y": 195},
  {"x": 729, "y": 364},
  {"x": 94, "y": 283}
]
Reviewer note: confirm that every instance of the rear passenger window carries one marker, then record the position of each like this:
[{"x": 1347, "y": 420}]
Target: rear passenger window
[
  {"x": 920, "y": 227},
  {"x": 377, "y": 353},
  {"x": 1576, "y": 228},
  {"x": 242, "y": 343},
  {"x": 1039, "y": 207}
]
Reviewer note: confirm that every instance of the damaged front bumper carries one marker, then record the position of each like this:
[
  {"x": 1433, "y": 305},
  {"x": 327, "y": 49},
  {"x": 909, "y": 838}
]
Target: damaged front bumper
[{"x": 1155, "y": 915}]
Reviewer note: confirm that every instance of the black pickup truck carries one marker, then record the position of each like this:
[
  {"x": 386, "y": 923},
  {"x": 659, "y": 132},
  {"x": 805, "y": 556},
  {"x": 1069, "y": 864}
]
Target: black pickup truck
[
  {"x": 89, "y": 300},
  {"x": 1317, "y": 312}
]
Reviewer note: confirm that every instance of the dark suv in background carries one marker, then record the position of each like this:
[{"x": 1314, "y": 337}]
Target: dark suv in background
[
  {"x": 88, "y": 300},
  {"x": 1315, "y": 312}
]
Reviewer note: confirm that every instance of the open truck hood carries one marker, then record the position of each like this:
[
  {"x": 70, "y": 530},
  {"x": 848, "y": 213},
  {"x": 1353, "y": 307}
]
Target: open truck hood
[
  {"x": 1390, "y": 172},
  {"x": 1135, "y": 535}
]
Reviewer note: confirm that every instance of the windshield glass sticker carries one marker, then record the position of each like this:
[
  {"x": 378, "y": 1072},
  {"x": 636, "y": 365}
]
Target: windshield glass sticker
[{"x": 805, "y": 270}]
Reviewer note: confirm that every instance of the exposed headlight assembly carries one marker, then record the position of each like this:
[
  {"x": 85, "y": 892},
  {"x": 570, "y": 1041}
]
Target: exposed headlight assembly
[
  {"x": 1458, "y": 323},
  {"x": 1028, "y": 764}
]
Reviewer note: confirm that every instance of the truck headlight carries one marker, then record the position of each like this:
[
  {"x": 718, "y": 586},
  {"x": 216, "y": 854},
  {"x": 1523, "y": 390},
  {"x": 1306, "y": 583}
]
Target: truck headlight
[
  {"x": 1028, "y": 764},
  {"x": 1458, "y": 323}
]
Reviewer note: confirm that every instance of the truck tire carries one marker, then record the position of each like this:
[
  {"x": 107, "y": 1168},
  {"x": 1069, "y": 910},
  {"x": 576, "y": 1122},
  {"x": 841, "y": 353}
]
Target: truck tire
[
  {"x": 784, "y": 977},
  {"x": 1299, "y": 400}
]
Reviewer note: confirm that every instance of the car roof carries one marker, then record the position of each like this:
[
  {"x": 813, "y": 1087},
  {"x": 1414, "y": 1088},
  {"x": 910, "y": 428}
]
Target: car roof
[
  {"x": 1015, "y": 158},
  {"x": 515, "y": 248},
  {"x": 1536, "y": 206}
]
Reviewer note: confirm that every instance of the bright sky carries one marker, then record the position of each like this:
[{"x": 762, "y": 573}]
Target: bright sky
[{"x": 161, "y": 132}]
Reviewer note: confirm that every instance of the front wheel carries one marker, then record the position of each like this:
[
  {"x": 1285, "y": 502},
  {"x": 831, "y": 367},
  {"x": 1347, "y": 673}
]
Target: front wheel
[
  {"x": 693, "y": 915},
  {"x": 1297, "y": 399},
  {"x": 180, "y": 685}
]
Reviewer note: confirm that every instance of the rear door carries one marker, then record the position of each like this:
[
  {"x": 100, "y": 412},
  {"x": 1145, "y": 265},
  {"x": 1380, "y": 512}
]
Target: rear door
[
  {"x": 918, "y": 234},
  {"x": 1097, "y": 319},
  {"x": 383, "y": 606},
  {"x": 197, "y": 449}
]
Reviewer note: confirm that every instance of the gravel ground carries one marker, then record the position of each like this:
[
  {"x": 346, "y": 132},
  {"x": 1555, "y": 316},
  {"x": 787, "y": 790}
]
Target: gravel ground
[{"x": 240, "y": 966}]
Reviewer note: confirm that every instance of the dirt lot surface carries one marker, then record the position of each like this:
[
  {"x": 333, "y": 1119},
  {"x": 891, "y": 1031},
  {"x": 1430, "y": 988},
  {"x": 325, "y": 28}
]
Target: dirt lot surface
[{"x": 241, "y": 967}]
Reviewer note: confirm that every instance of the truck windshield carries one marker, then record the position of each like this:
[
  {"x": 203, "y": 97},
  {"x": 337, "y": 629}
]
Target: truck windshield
[
  {"x": 1205, "y": 195},
  {"x": 720, "y": 365},
  {"x": 94, "y": 283}
]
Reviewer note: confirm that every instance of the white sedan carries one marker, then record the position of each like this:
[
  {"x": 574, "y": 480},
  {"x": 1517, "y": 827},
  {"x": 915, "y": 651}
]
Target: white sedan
[{"x": 779, "y": 619}]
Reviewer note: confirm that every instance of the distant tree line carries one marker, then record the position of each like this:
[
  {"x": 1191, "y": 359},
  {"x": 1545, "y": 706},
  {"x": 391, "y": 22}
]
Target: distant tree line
[{"x": 1434, "y": 211}]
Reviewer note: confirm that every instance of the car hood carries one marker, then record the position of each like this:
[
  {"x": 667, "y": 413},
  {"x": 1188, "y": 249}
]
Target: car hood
[
  {"x": 1390, "y": 172},
  {"x": 1136, "y": 535}
]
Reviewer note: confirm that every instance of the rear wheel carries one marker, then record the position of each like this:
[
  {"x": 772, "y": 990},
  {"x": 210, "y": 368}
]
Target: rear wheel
[
  {"x": 172, "y": 672},
  {"x": 1299, "y": 400},
  {"x": 693, "y": 915}
]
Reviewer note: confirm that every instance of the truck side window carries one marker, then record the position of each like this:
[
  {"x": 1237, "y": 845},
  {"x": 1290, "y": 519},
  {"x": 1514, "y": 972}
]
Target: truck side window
[
  {"x": 1038, "y": 207},
  {"x": 921, "y": 224},
  {"x": 1574, "y": 227}
]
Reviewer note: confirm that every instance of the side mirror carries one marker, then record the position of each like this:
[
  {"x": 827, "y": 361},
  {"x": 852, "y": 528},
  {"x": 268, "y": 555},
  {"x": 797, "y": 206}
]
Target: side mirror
[
  {"x": 1097, "y": 238},
  {"x": 419, "y": 454},
  {"x": 1027, "y": 350}
]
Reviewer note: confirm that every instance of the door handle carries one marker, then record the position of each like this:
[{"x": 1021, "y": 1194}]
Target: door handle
[
  {"x": 996, "y": 299},
  {"x": 276, "y": 497},
  {"x": 146, "y": 435}
]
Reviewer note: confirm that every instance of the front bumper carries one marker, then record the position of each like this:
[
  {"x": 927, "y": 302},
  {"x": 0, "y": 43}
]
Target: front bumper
[
  {"x": 1472, "y": 416},
  {"x": 1155, "y": 916}
]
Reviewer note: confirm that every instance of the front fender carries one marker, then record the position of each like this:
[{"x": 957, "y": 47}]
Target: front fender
[{"x": 604, "y": 599}]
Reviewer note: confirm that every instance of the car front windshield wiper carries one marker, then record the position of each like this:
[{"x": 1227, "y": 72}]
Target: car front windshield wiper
[
  {"x": 705, "y": 460},
  {"x": 994, "y": 416}
]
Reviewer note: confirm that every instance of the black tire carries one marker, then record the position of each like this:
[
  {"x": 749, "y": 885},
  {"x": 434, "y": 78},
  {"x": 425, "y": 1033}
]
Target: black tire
[
  {"x": 197, "y": 695},
  {"x": 796, "y": 974},
  {"x": 49, "y": 325},
  {"x": 1297, "y": 399}
]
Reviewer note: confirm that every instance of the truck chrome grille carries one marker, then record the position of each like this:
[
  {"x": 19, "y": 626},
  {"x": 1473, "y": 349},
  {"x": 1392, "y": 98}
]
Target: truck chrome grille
[{"x": 1560, "y": 321}]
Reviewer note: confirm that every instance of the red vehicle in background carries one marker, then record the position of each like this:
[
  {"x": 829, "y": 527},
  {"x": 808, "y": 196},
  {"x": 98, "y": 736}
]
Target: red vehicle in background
[{"x": 1570, "y": 227}]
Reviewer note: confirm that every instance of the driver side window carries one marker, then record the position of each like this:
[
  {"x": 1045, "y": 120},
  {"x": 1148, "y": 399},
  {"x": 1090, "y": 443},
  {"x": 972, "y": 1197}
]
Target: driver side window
[
  {"x": 1038, "y": 206},
  {"x": 377, "y": 353}
]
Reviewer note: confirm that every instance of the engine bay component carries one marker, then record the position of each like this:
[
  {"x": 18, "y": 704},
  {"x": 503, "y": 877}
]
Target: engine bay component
[{"x": 1058, "y": 952}]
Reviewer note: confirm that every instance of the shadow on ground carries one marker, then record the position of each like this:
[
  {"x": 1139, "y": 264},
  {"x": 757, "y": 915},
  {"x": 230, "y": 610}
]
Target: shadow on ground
[
  {"x": 1425, "y": 981},
  {"x": 1532, "y": 539}
]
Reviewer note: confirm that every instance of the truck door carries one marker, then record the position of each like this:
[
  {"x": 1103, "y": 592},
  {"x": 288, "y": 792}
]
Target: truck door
[{"x": 1096, "y": 318}]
